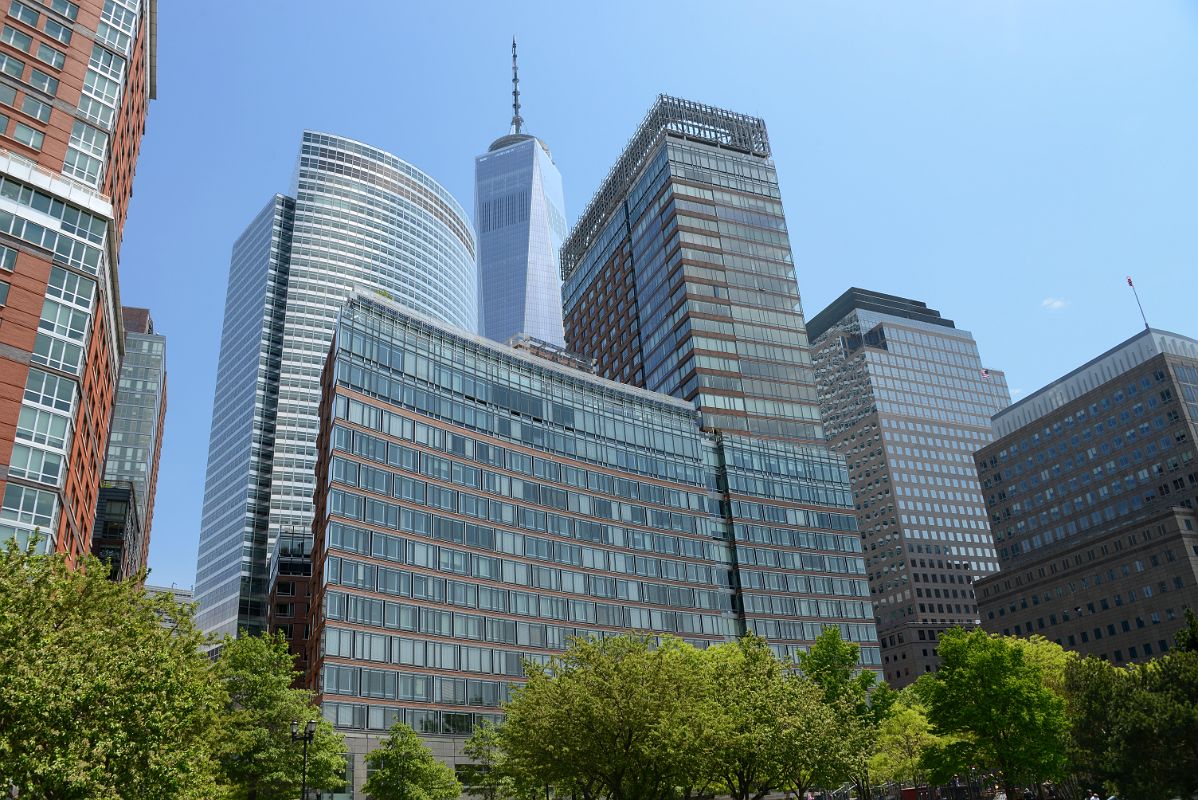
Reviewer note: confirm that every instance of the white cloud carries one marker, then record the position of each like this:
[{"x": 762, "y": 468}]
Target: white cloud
[
  {"x": 1016, "y": 394},
  {"x": 1054, "y": 303}
]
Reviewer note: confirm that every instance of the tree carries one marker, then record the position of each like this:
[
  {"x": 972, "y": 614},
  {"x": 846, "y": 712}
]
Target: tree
[
  {"x": 859, "y": 699},
  {"x": 749, "y": 696},
  {"x": 814, "y": 746},
  {"x": 103, "y": 691},
  {"x": 1187, "y": 638},
  {"x": 257, "y": 757},
  {"x": 485, "y": 776},
  {"x": 903, "y": 738},
  {"x": 1136, "y": 728},
  {"x": 993, "y": 699},
  {"x": 617, "y": 718},
  {"x": 404, "y": 769},
  {"x": 1094, "y": 689}
]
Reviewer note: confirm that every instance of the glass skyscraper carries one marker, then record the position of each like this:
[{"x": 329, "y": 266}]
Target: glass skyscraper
[
  {"x": 134, "y": 449},
  {"x": 521, "y": 220},
  {"x": 679, "y": 278},
  {"x": 357, "y": 217},
  {"x": 478, "y": 505},
  {"x": 907, "y": 401}
]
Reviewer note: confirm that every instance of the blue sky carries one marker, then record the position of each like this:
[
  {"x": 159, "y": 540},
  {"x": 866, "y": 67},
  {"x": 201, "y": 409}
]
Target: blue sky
[{"x": 1008, "y": 162}]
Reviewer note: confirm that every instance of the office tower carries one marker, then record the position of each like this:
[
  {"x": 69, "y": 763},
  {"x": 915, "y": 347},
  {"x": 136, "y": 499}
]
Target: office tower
[
  {"x": 121, "y": 535},
  {"x": 356, "y": 217},
  {"x": 1091, "y": 484},
  {"x": 478, "y": 505},
  {"x": 678, "y": 278},
  {"x": 77, "y": 79},
  {"x": 521, "y": 221},
  {"x": 906, "y": 401}
]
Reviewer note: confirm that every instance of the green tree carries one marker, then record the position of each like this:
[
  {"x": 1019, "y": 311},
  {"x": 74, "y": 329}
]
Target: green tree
[
  {"x": 903, "y": 738},
  {"x": 486, "y": 775},
  {"x": 1187, "y": 638},
  {"x": 103, "y": 692},
  {"x": 1094, "y": 689},
  {"x": 404, "y": 769},
  {"x": 1135, "y": 729},
  {"x": 992, "y": 698},
  {"x": 814, "y": 748},
  {"x": 257, "y": 757},
  {"x": 616, "y": 718},
  {"x": 859, "y": 698},
  {"x": 747, "y": 717}
]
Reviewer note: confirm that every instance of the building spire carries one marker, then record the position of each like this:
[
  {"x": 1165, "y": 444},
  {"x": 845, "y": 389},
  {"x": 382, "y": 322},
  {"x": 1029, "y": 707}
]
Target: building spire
[{"x": 517, "y": 120}]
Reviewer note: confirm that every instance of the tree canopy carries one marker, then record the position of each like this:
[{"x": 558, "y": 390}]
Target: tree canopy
[
  {"x": 992, "y": 699},
  {"x": 256, "y": 755},
  {"x": 403, "y": 768},
  {"x": 104, "y": 690}
]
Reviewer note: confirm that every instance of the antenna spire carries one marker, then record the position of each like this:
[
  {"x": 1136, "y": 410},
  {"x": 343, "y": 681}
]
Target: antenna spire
[
  {"x": 1143, "y": 316},
  {"x": 517, "y": 120}
]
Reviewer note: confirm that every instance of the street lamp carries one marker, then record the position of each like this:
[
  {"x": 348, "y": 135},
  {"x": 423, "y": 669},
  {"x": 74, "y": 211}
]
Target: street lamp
[{"x": 306, "y": 735}]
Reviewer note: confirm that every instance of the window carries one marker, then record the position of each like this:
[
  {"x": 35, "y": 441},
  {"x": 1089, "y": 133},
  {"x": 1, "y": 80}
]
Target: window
[
  {"x": 63, "y": 321},
  {"x": 50, "y": 56},
  {"x": 4, "y": 293},
  {"x": 71, "y": 288},
  {"x": 36, "y": 108},
  {"x": 11, "y": 66},
  {"x": 28, "y": 136},
  {"x": 57, "y": 30},
  {"x": 28, "y": 506},
  {"x": 42, "y": 427},
  {"x": 8, "y": 256},
  {"x": 35, "y": 464},
  {"x": 50, "y": 391},
  {"x": 66, "y": 8},
  {"x": 57, "y": 354},
  {"x": 42, "y": 81},
  {"x": 8, "y": 95},
  {"x": 24, "y": 13},
  {"x": 21, "y": 41},
  {"x": 104, "y": 89}
]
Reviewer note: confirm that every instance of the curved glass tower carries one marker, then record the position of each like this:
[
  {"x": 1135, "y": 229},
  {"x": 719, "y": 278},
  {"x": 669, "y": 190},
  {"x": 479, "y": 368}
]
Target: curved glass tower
[
  {"x": 521, "y": 220},
  {"x": 357, "y": 218}
]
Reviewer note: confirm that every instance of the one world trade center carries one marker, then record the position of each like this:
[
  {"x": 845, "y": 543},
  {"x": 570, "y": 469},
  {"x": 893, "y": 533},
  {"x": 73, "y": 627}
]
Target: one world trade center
[{"x": 521, "y": 224}]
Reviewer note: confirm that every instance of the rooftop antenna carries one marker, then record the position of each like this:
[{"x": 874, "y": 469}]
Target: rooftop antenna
[
  {"x": 1138, "y": 303},
  {"x": 517, "y": 120}
]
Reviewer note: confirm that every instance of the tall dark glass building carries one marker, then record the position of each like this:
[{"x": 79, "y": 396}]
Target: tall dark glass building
[
  {"x": 356, "y": 217},
  {"x": 478, "y": 505},
  {"x": 125, "y": 510},
  {"x": 1092, "y": 486},
  {"x": 906, "y": 401},
  {"x": 679, "y": 278}
]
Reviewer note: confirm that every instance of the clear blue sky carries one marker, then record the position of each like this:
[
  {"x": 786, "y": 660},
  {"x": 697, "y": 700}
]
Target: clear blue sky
[{"x": 1006, "y": 162}]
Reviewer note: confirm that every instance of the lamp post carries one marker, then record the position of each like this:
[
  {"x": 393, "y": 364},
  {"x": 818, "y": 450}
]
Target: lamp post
[{"x": 308, "y": 733}]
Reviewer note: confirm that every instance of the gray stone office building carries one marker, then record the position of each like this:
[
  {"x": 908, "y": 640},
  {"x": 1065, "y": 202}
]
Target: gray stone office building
[
  {"x": 905, "y": 399},
  {"x": 1091, "y": 485}
]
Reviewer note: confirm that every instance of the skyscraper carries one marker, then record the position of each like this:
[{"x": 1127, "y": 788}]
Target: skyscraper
[
  {"x": 134, "y": 448},
  {"x": 480, "y": 504},
  {"x": 77, "y": 80},
  {"x": 906, "y": 401},
  {"x": 679, "y": 278},
  {"x": 1092, "y": 485},
  {"x": 357, "y": 217},
  {"x": 521, "y": 221}
]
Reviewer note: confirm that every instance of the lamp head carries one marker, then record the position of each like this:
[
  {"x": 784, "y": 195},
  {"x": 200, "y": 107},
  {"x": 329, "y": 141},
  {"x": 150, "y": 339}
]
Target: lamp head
[
  {"x": 311, "y": 729},
  {"x": 294, "y": 728}
]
